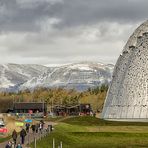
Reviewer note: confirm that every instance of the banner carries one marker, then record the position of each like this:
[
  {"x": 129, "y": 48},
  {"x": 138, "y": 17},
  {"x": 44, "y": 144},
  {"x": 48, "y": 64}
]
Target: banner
[
  {"x": 3, "y": 130},
  {"x": 28, "y": 120},
  {"x": 19, "y": 123}
]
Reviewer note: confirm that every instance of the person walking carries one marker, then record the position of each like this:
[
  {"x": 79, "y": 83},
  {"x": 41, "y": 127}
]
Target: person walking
[
  {"x": 42, "y": 122},
  {"x": 22, "y": 135},
  {"x": 12, "y": 144},
  {"x": 37, "y": 127},
  {"x": 14, "y": 136},
  {"x": 8, "y": 145},
  {"x": 40, "y": 127},
  {"x": 18, "y": 145},
  {"x": 27, "y": 127},
  {"x": 33, "y": 128}
]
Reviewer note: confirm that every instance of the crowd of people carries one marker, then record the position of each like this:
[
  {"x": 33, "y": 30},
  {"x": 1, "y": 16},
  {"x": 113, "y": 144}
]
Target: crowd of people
[{"x": 36, "y": 128}]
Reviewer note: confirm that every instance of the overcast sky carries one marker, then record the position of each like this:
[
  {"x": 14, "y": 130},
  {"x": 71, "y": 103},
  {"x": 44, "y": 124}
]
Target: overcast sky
[{"x": 66, "y": 31}]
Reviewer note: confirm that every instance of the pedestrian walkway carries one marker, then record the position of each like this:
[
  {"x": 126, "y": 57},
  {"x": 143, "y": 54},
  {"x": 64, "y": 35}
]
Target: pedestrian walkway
[{"x": 29, "y": 137}]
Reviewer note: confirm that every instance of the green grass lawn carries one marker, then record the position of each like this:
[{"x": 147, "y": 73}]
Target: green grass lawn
[
  {"x": 4, "y": 139},
  {"x": 92, "y": 121},
  {"x": 90, "y": 132}
]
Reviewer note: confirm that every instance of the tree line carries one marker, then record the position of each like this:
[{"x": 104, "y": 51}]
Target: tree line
[{"x": 56, "y": 96}]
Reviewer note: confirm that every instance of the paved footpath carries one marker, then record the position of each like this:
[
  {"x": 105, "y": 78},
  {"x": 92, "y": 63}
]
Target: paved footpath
[{"x": 29, "y": 138}]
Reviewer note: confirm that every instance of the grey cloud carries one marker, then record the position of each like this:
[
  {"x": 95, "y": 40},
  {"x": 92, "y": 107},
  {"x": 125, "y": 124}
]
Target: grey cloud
[
  {"x": 66, "y": 43},
  {"x": 21, "y": 15},
  {"x": 87, "y": 29},
  {"x": 86, "y": 12}
]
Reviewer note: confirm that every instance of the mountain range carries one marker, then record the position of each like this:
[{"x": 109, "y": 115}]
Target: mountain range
[{"x": 79, "y": 76}]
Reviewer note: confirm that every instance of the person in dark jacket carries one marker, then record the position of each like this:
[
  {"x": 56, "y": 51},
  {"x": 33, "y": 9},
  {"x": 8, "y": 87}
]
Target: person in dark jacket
[
  {"x": 33, "y": 128},
  {"x": 8, "y": 145},
  {"x": 37, "y": 127},
  {"x": 27, "y": 127},
  {"x": 14, "y": 136},
  {"x": 22, "y": 135}
]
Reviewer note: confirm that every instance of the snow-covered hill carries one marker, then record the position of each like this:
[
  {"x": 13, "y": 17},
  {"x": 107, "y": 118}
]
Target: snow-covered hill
[
  {"x": 13, "y": 75},
  {"x": 80, "y": 76}
]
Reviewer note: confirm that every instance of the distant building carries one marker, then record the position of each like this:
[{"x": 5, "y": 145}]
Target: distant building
[
  {"x": 29, "y": 107},
  {"x": 81, "y": 109}
]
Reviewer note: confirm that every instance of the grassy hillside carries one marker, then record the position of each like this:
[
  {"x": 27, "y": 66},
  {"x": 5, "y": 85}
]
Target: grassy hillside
[
  {"x": 90, "y": 132},
  {"x": 92, "y": 121}
]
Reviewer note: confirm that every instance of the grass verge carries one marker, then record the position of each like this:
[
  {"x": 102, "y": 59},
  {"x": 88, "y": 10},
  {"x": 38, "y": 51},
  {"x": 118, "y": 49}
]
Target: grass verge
[{"x": 75, "y": 133}]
